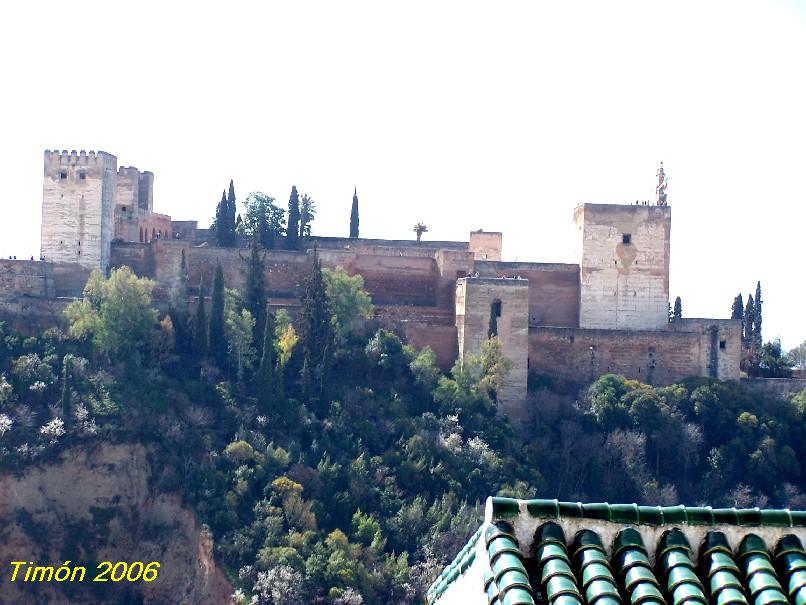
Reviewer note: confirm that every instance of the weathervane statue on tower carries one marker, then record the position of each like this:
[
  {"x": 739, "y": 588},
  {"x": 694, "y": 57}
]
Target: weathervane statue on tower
[{"x": 663, "y": 183}]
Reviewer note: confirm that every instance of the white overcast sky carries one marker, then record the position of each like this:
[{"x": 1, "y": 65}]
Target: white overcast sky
[{"x": 463, "y": 115}]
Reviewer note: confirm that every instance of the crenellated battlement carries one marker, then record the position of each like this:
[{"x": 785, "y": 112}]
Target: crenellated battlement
[{"x": 90, "y": 159}]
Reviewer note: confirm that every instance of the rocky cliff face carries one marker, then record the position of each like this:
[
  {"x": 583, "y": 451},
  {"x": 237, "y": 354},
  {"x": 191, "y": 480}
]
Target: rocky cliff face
[{"x": 95, "y": 504}]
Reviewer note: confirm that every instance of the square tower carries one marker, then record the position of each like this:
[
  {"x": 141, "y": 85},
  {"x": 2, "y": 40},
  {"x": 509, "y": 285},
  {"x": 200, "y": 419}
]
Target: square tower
[
  {"x": 487, "y": 306},
  {"x": 623, "y": 266},
  {"x": 78, "y": 202}
]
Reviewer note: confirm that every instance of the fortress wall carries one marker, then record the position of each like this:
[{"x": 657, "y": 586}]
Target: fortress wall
[
  {"x": 553, "y": 289},
  {"x": 132, "y": 255},
  {"x": 20, "y": 278},
  {"x": 441, "y": 340},
  {"x": 723, "y": 350},
  {"x": 583, "y": 355},
  {"x": 31, "y": 315},
  {"x": 69, "y": 280}
]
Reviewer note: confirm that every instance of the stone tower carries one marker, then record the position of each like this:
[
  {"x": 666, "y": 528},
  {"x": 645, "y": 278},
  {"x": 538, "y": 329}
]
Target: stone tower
[
  {"x": 499, "y": 307},
  {"x": 623, "y": 266},
  {"x": 78, "y": 204}
]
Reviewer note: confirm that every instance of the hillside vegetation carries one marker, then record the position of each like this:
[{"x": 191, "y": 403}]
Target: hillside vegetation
[{"x": 334, "y": 464}]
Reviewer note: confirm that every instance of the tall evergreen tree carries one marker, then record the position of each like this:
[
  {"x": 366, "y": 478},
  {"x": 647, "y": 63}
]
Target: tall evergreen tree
[
  {"x": 200, "y": 331},
  {"x": 307, "y": 212},
  {"x": 267, "y": 373},
  {"x": 292, "y": 230},
  {"x": 67, "y": 409},
  {"x": 677, "y": 313},
  {"x": 354, "y": 215},
  {"x": 221, "y": 221},
  {"x": 749, "y": 321},
  {"x": 179, "y": 309},
  {"x": 255, "y": 287},
  {"x": 737, "y": 312},
  {"x": 232, "y": 212},
  {"x": 316, "y": 328},
  {"x": 757, "y": 340},
  {"x": 217, "y": 340}
]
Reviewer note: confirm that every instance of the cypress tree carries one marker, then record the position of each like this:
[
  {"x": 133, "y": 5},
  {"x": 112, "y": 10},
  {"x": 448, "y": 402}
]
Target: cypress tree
[
  {"x": 267, "y": 379},
  {"x": 354, "y": 215},
  {"x": 316, "y": 329},
  {"x": 737, "y": 312},
  {"x": 221, "y": 229},
  {"x": 255, "y": 287},
  {"x": 231, "y": 212},
  {"x": 200, "y": 331},
  {"x": 179, "y": 309},
  {"x": 749, "y": 311},
  {"x": 678, "y": 309},
  {"x": 292, "y": 230},
  {"x": 218, "y": 343},
  {"x": 757, "y": 340}
]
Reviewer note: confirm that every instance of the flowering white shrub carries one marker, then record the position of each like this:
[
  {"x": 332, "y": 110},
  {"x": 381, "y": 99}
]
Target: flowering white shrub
[
  {"x": 5, "y": 424},
  {"x": 53, "y": 429}
]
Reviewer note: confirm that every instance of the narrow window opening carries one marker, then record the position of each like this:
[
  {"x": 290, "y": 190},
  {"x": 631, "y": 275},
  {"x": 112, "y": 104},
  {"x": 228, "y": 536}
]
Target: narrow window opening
[
  {"x": 63, "y": 175},
  {"x": 626, "y": 238},
  {"x": 495, "y": 313},
  {"x": 124, "y": 208},
  {"x": 82, "y": 175},
  {"x": 723, "y": 344}
]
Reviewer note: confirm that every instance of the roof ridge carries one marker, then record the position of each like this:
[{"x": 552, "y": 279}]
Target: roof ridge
[{"x": 505, "y": 508}]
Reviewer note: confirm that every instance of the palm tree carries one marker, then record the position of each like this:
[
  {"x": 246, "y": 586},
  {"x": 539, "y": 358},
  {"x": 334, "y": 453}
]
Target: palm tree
[{"x": 419, "y": 229}]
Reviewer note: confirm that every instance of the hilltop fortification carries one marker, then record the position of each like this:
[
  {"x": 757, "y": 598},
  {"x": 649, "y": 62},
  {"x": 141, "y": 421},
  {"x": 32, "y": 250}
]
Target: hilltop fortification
[{"x": 606, "y": 313}]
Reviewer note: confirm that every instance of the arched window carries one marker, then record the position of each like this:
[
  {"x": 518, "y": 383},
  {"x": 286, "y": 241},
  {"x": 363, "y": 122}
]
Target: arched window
[
  {"x": 495, "y": 313},
  {"x": 141, "y": 235}
]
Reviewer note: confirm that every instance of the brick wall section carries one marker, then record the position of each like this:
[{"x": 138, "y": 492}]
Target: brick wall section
[
  {"x": 441, "y": 340},
  {"x": 474, "y": 299},
  {"x": 722, "y": 342},
  {"x": 624, "y": 285},
  {"x": 553, "y": 289},
  {"x": 486, "y": 245}
]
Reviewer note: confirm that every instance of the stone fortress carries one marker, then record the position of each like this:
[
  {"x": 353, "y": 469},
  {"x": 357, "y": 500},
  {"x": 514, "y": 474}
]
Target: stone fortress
[{"x": 608, "y": 312}]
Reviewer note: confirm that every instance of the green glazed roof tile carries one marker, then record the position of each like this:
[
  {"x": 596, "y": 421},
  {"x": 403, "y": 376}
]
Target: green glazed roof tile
[
  {"x": 505, "y": 562},
  {"x": 682, "y": 575},
  {"x": 571, "y": 510},
  {"x": 720, "y": 561},
  {"x": 770, "y": 596},
  {"x": 605, "y": 600},
  {"x": 595, "y": 571},
  {"x": 550, "y": 532},
  {"x": 585, "y": 538},
  {"x": 799, "y": 598},
  {"x": 757, "y": 563},
  {"x": 555, "y": 567},
  {"x": 549, "y": 551},
  {"x": 675, "y": 558},
  {"x": 628, "y": 538},
  {"x": 517, "y": 596},
  {"x": 514, "y": 577},
  {"x": 567, "y": 599},
  {"x": 644, "y": 592},
  {"x": 600, "y": 589},
  {"x": 502, "y": 544},
  {"x": 543, "y": 508},
  {"x": 762, "y": 582},
  {"x": 638, "y": 575},
  {"x": 792, "y": 561},
  {"x": 674, "y": 539},
  {"x": 559, "y": 585},
  {"x": 493, "y": 531},
  {"x": 776, "y": 518},
  {"x": 716, "y": 541},
  {"x": 796, "y": 581},
  {"x": 687, "y": 592},
  {"x": 630, "y": 558},
  {"x": 751, "y": 544},
  {"x": 723, "y": 580},
  {"x": 787, "y": 544},
  {"x": 731, "y": 596},
  {"x": 590, "y": 556},
  {"x": 651, "y": 515},
  {"x": 700, "y": 515},
  {"x": 624, "y": 513}
]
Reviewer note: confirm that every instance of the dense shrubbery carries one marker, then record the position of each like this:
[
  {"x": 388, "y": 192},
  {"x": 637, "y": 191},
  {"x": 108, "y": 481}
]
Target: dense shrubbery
[{"x": 334, "y": 464}]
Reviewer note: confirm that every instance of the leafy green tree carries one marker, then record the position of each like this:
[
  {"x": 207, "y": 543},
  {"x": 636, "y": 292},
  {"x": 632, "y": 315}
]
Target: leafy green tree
[
  {"x": 307, "y": 213},
  {"x": 217, "y": 338},
  {"x": 264, "y": 218},
  {"x": 255, "y": 287},
  {"x": 354, "y": 220},
  {"x": 200, "y": 342},
  {"x": 179, "y": 310},
  {"x": 116, "y": 313},
  {"x": 292, "y": 232},
  {"x": 349, "y": 302},
  {"x": 240, "y": 329},
  {"x": 798, "y": 356},
  {"x": 772, "y": 362},
  {"x": 677, "y": 313}
]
